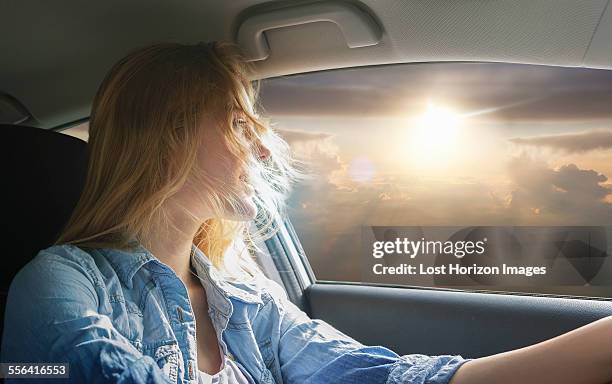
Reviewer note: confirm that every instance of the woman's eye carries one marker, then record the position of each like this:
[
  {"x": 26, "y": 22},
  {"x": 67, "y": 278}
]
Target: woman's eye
[
  {"x": 243, "y": 126},
  {"x": 240, "y": 124}
]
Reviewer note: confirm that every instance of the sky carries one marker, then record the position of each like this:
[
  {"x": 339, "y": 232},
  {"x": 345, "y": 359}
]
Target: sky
[{"x": 442, "y": 144}]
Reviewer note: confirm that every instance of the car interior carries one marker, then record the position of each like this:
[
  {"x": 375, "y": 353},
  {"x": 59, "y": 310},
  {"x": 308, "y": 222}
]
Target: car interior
[{"x": 55, "y": 55}]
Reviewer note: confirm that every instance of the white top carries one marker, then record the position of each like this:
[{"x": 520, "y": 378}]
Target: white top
[{"x": 230, "y": 373}]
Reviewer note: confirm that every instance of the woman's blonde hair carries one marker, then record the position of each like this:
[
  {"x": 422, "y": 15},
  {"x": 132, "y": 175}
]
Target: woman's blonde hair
[{"x": 144, "y": 134}]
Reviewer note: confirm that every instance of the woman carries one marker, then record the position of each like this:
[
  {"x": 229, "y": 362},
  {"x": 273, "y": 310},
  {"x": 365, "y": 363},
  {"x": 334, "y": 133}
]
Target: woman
[{"x": 151, "y": 280}]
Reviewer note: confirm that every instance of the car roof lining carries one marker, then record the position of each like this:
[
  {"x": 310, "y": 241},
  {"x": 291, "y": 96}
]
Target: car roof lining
[{"x": 55, "y": 67}]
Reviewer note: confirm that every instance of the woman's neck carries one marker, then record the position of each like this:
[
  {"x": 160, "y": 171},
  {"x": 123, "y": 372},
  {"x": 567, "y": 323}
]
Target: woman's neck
[{"x": 171, "y": 243}]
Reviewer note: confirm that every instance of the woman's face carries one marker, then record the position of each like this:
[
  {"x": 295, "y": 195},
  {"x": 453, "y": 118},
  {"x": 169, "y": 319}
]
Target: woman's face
[{"x": 219, "y": 163}]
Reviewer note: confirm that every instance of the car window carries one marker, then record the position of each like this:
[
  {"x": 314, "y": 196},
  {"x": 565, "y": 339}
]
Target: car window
[{"x": 512, "y": 158}]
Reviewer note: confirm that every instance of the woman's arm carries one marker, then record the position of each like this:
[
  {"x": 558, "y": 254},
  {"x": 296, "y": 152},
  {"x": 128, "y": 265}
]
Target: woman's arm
[
  {"x": 311, "y": 351},
  {"x": 583, "y": 355},
  {"x": 52, "y": 316}
]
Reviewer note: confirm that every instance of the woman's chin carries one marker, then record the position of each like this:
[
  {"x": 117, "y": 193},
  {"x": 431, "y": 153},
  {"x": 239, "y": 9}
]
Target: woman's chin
[
  {"x": 246, "y": 211},
  {"x": 251, "y": 209}
]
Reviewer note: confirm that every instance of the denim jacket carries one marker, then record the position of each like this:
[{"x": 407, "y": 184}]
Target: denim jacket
[{"x": 125, "y": 317}]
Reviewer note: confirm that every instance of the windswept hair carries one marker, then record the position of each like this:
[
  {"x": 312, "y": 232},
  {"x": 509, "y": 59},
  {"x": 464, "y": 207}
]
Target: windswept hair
[{"x": 144, "y": 134}]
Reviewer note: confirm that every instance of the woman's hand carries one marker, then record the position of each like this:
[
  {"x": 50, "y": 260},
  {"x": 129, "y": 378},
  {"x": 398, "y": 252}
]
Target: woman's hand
[{"x": 583, "y": 355}]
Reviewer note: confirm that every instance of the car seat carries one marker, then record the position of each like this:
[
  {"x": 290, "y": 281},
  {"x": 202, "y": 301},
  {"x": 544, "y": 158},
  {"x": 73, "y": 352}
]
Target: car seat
[{"x": 44, "y": 173}]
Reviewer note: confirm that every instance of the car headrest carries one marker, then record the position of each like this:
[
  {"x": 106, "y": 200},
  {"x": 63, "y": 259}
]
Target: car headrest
[{"x": 43, "y": 174}]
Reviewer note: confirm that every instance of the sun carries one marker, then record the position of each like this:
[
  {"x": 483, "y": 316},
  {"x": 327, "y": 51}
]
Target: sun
[
  {"x": 436, "y": 129},
  {"x": 433, "y": 135}
]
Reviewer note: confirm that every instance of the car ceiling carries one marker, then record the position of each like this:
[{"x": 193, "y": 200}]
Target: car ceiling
[{"x": 55, "y": 53}]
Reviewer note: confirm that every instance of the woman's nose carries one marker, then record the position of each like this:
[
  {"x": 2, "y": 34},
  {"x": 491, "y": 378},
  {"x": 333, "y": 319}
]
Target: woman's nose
[{"x": 263, "y": 152}]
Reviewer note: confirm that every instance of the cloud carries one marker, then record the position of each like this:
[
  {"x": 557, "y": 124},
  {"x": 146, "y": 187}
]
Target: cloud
[
  {"x": 566, "y": 195},
  {"x": 328, "y": 216},
  {"x": 329, "y": 210},
  {"x": 295, "y": 136},
  {"x": 580, "y": 184},
  {"x": 317, "y": 153},
  {"x": 577, "y": 142},
  {"x": 329, "y": 224}
]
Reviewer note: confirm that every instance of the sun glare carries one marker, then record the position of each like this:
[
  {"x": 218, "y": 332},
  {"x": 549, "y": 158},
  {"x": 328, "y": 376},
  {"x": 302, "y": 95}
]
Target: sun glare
[{"x": 433, "y": 135}]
